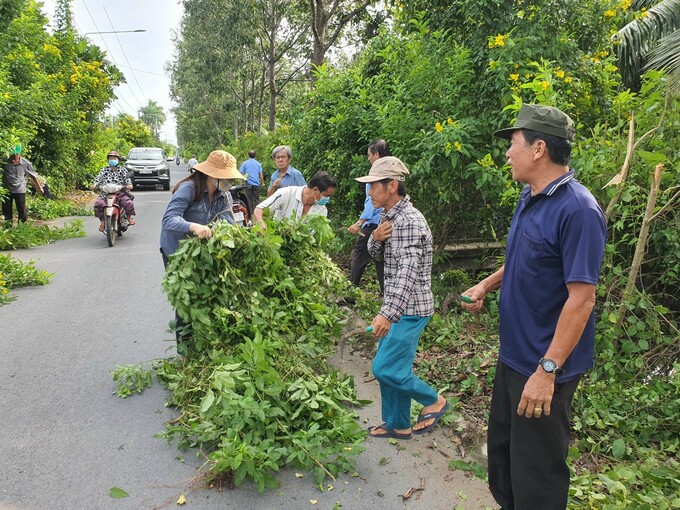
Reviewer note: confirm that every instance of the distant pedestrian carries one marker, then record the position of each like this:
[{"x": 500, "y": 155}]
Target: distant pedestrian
[
  {"x": 15, "y": 172},
  {"x": 365, "y": 225},
  {"x": 284, "y": 175},
  {"x": 253, "y": 169}
]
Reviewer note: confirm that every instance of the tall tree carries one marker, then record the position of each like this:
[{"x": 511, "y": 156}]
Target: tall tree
[
  {"x": 153, "y": 116},
  {"x": 328, "y": 19}
]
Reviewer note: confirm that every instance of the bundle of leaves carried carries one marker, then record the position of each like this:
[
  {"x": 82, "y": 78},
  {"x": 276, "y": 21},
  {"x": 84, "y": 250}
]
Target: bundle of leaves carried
[{"x": 255, "y": 389}]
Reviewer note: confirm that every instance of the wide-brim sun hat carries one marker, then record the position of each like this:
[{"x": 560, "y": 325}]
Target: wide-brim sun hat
[
  {"x": 388, "y": 167},
  {"x": 219, "y": 165},
  {"x": 544, "y": 119}
]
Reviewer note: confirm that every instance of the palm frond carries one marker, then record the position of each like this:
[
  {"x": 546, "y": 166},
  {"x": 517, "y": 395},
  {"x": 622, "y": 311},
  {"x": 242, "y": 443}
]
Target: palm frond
[
  {"x": 666, "y": 56},
  {"x": 636, "y": 5},
  {"x": 635, "y": 40}
]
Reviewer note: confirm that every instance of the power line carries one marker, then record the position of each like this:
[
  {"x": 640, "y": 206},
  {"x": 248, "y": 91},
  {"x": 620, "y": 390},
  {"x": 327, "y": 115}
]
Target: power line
[
  {"x": 143, "y": 71},
  {"x": 124, "y": 54},
  {"x": 111, "y": 55}
]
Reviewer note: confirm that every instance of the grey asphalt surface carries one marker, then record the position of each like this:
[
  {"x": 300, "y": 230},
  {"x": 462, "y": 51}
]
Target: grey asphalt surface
[{"x": 67, "y": 439}]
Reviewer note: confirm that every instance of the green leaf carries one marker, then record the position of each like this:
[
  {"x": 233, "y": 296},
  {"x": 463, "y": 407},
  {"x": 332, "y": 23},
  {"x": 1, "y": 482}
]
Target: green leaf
[
  {"x": 117, "y": 492},
  {"x": 207, "y": 401},
  {"x": 619, "y": 449}
]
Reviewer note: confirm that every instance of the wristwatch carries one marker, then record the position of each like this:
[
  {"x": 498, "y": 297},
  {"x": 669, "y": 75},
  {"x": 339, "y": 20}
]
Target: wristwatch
[{"x": 550, "y": 366}]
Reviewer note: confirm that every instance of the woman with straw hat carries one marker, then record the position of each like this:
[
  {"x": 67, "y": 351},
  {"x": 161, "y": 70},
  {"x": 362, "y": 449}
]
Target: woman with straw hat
[{"x": 197, "y": 200}]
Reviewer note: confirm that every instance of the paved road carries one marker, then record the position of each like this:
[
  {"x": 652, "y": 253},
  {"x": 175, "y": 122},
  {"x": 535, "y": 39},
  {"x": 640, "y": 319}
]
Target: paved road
[{"x": 66, "y": 439}]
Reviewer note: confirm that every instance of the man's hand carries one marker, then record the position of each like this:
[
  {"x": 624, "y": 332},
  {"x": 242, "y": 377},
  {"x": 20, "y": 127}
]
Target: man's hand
[
  {"x": 354, "y": 228},
  {"x": 537, "y": 395},
  {"x": 383, "y": 232},
  {"x": 129, "y": 186},
  {"x": 380, "y": 326},
  {"x": 476, "y": 295}
]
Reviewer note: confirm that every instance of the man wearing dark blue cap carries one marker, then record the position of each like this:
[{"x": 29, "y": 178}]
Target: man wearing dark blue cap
[{"x": 552, "y": 264}]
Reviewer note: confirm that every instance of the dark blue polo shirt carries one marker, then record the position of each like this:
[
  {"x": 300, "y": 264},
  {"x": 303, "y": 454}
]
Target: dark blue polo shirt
[{"x": 556, "y": 237}]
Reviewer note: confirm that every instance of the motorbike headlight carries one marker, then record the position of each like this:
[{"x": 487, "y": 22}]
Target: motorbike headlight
[{"x": 111, "y": 188}]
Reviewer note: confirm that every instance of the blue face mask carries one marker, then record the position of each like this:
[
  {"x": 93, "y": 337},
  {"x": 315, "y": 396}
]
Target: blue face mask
[
  {"x": 323, "y": 200},
  {"x": 113, "y": 162}
]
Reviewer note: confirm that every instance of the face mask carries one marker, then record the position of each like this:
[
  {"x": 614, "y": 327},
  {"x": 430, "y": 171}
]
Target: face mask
[
  {"x": 323, "y": 200},
  {"x": 113, "y": 162}
]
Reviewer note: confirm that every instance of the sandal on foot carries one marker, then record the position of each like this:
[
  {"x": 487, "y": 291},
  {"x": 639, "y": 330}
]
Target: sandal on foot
[
  {"x": 388, "y": 433},
  {"x": 131, "y": 221},
  {"x": 102, "y": 227},
  {"x": 436, "y": 416}
]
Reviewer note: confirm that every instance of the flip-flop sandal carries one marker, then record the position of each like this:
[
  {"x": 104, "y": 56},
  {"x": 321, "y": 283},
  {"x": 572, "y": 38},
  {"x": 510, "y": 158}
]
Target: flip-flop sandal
[
  {"x": 102, "y": 228},
  {"x": 389, "y": 433},
  {"x": 131, "y": 221},
  {"x": 436, "y": 416}
]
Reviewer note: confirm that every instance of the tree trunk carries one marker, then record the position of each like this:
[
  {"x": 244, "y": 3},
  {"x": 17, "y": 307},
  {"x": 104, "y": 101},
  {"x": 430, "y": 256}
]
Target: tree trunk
[{"x": 641, "y": 242}]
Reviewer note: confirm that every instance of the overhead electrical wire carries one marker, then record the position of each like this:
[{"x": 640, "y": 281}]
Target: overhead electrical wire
[
  {"x": 125, "y": 55},
  {"x": 112, "y": 59}
]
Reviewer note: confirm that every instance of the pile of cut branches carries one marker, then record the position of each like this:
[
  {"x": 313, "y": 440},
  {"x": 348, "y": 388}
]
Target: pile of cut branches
[{"x": 254, "y": 390}]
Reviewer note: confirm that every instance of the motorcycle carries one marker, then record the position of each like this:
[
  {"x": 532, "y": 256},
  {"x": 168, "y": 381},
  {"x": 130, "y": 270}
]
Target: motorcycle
[
  {"x": 242, "y": 208},
  {"x": 177, "y": 161},
  {"x": 115, "y": 218}
]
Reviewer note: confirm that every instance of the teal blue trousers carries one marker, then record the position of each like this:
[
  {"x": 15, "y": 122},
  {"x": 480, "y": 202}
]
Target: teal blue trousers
[{"x": 393, "y": 368}]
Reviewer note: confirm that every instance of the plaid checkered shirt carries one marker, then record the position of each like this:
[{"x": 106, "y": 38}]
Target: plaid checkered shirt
[{"x": 408, "y": 262}]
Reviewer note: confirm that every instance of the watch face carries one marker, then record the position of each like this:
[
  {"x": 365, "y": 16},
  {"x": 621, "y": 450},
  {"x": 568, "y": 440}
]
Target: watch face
[{"x": 549, "y": 365}]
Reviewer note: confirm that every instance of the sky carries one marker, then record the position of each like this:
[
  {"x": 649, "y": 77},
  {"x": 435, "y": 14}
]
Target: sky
[{"x": 140, "y": 56}]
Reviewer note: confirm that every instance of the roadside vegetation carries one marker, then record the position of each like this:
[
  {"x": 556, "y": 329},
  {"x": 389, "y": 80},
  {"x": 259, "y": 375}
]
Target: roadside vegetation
[{"x": 435, "y": 81}]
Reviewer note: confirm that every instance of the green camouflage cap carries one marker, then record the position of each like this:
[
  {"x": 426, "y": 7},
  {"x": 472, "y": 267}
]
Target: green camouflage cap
[{"x": 544, "y": 119}]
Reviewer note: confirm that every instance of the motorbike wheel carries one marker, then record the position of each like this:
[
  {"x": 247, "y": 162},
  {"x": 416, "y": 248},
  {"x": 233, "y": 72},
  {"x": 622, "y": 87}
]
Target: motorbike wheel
[{"x": 111, "y": 230}]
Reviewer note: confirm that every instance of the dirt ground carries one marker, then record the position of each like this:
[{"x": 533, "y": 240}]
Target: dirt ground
[{"x": 420, "y": 466}]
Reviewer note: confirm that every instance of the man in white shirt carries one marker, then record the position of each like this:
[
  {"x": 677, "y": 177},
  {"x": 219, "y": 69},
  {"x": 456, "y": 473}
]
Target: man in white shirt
[{"x": 299, "y": 201}]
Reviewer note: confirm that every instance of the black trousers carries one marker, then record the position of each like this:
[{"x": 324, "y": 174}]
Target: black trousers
[
  {"x": 20, "y": 199},
  {"x": 360, "y": 258},
  {"x": 182, "y": 330},
  {"x": 253, "y": 194},
  {"x": 527, "y": 456}
]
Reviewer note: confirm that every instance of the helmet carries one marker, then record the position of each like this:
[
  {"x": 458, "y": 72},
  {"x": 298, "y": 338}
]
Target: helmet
[{"x": 113, "y": 154}]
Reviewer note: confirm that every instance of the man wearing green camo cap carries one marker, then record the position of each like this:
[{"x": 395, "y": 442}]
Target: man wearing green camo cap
[
  {"x": 547, "y": 285},
  {"x": 15, "y": 172}
]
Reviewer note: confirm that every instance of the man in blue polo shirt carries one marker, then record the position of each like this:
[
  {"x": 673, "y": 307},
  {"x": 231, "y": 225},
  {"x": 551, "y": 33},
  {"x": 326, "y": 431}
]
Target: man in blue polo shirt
[
  {"x": 368, "y": 222},
  {"x": 284, "y": 175},
  {"x": 252, "y": 168},
  {"x": 552, "y": 264}
]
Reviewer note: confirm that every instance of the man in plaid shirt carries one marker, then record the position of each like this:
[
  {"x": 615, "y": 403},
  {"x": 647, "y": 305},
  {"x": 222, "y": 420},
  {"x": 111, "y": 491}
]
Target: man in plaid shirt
[{"x": 404, "y": 242}]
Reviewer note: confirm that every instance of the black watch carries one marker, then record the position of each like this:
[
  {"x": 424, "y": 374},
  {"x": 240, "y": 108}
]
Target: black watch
[{"x": 550, "y": 366}]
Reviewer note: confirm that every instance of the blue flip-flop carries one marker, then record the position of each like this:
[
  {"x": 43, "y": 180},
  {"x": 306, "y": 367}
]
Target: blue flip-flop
[
  {"x": 390, "y": 433},
  {"x": 429, "y": 416}
]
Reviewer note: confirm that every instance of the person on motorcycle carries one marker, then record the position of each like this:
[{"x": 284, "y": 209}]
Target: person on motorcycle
[{"x": 114, "y": 174}]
